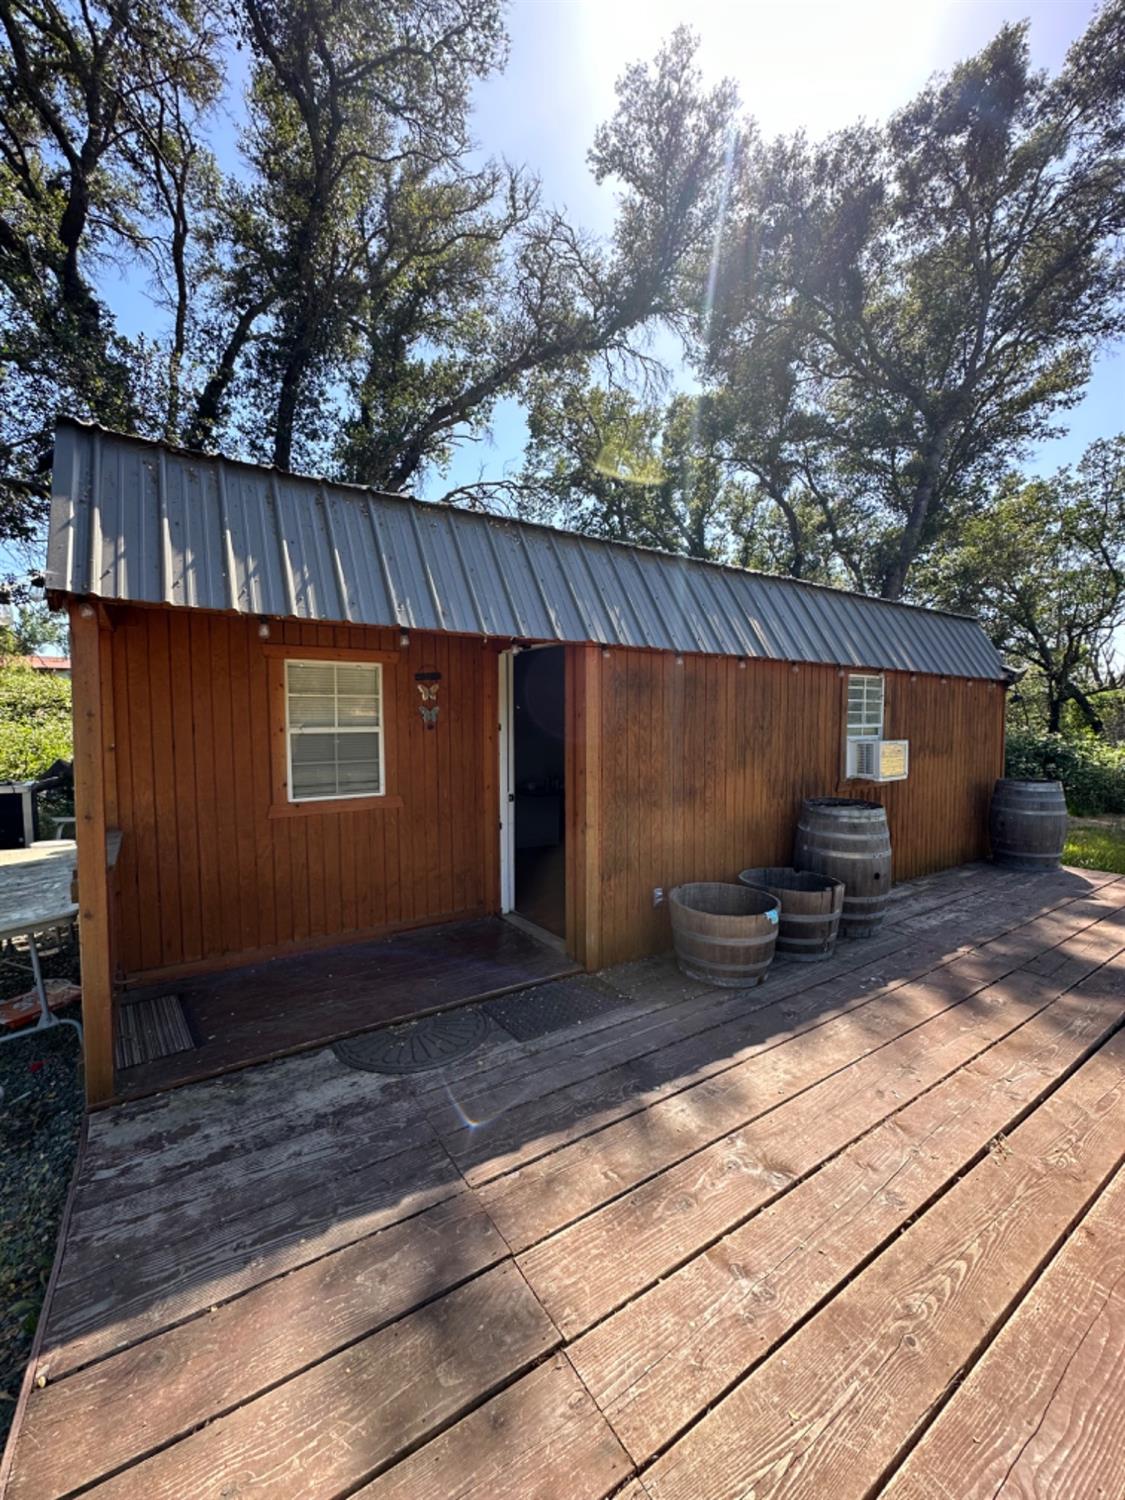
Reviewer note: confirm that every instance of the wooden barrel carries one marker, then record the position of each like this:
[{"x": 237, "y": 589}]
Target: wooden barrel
[
  {"x": 849, "y": 840},
  {"x": 1027, "y": 824},
  {"x": 723, "y": 934},
  {"x": 810, "y": 910}
]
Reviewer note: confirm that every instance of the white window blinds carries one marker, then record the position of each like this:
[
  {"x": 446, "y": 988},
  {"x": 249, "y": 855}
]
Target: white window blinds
[
  {"x": 865, "y": 707},
  {"x": 334, "y": 728}
]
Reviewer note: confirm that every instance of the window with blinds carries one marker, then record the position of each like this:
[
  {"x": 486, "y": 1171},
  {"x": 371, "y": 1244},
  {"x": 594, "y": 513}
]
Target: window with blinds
[
  {"x": 334, "y": 729},
  {"x": 865, "y": 707}
]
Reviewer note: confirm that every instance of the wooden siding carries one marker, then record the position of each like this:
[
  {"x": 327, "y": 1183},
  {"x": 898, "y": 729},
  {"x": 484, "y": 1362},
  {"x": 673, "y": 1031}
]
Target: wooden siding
[
  {"x": 695, "y": 771},
  {"x": 207, "y": 876}
]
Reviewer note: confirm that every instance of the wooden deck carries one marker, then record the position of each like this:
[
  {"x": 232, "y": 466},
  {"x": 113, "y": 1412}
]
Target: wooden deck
[
  {"x": 284, "y": 1005},
  {"x": 858, "y": 1232}
]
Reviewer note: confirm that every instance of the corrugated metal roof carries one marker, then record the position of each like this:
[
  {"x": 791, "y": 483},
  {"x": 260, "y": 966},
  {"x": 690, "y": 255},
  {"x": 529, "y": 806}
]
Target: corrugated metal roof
[{"x": 140, "y": 521}]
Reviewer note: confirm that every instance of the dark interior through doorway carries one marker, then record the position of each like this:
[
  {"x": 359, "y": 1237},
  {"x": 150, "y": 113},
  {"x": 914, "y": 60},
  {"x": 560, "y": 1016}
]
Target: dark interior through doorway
[{"x": 539, "y": 783}]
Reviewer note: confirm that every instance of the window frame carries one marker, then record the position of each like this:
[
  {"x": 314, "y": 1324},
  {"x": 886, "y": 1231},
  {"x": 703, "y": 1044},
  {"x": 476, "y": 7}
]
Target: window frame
[
  {"x": 864, "y": 731},
  {"x": 377, "y": 728},
  {"x": 282, "y": 804}
]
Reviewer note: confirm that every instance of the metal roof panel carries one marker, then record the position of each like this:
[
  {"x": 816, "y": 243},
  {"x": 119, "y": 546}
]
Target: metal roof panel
[{"x": 142, "y": 521}]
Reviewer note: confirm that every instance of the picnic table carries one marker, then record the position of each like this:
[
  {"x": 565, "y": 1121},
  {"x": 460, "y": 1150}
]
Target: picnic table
[{"x": 35, "y": 897}]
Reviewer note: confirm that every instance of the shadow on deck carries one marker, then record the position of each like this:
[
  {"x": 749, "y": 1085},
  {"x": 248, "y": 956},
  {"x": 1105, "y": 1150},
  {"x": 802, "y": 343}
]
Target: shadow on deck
[
  {"x": 836, "y": 1211},
  {"x": 264, "y": 1011}
]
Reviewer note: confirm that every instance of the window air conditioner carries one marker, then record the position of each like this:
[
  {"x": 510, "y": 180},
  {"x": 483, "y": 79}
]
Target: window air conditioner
[{"x": 872, "y": 759}]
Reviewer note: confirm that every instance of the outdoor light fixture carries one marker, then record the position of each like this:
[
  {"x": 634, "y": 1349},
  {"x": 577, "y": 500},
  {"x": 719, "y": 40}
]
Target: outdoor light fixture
[
  {"x": 86, "y": 611},
  {"x": 264, "y": 629},
  {"x": 605, "y": 652},
  {"x": 742, "y": 664},
  {"x": 428, "y": 684},
  {"x": 679, "y": 661},
  {"x": 404, "y": 640}
]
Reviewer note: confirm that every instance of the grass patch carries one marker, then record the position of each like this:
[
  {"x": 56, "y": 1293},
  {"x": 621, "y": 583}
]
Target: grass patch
[{"x": 1096, "y": 844}]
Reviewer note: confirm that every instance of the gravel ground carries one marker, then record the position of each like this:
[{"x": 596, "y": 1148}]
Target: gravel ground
[{"x": 41, "y": 1108}]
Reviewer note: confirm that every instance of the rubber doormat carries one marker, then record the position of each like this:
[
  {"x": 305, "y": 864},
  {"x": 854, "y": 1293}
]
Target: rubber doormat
[
  {"x": 544, "y": 1008},
  {"x": 418, "y": 1046}
]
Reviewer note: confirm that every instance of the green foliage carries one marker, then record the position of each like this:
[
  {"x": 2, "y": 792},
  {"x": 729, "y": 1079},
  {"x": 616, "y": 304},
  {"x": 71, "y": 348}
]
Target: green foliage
[
  {"x": 1096, "y": 846},
  {"x": 1044, "y": 568},
  {"x": 900, "y": 310},
  {"x": 1092, "y": 772},
  {"x": 35, "y": 723},
  {"x": 29, "y": 628},
  {"x": 358, "y": 292}
]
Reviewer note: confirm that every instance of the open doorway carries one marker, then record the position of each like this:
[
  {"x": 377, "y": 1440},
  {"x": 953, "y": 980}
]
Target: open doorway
[{"x": 538, "y": 787}]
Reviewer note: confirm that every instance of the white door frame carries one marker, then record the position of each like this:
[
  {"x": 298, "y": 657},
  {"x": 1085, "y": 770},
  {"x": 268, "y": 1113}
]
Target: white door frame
[{"x": 507, "y": 790}]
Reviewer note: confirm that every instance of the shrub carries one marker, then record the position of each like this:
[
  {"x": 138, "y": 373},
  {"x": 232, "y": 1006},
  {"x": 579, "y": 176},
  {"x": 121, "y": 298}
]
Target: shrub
[
  {"x": 1092, "y": 772},
  {"x": 35, "y": 727}
]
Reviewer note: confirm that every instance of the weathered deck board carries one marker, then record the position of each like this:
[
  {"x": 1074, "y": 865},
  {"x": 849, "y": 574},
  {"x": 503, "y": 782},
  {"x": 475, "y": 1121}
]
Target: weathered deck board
[
  {"x": 1043, "y": 1413},
  {"x": 678, "y": 1213},
  {"x": 545, "y": 1197},
  {"x": 838, "y": 1402},
  {"x": 326, "y": 1430},
  {"x": 540, "y": 1438},
  {"x": 672, "y": 1352},
  {"x": 739, "y": 1209},
  {"x": 188, "y": 1374},
  {"x": 108, "y": 1307}
]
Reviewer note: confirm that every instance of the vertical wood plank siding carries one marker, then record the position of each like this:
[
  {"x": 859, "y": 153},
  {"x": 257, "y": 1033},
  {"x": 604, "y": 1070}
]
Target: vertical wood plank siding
[
  {"x": 674, "y": 773},
  {"x": 701, "y": 768},
  {"x": 207, "y": 876}
]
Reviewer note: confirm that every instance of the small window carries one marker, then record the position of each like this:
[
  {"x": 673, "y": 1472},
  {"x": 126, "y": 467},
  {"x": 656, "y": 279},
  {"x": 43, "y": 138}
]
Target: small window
[
  {"x": 334, "y": 729},
  {"x": 865, "y": 707}
]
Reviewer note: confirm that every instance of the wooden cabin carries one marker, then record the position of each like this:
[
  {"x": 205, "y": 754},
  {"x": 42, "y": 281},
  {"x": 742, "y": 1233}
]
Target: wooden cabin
[{"x": 320, "y": 714}]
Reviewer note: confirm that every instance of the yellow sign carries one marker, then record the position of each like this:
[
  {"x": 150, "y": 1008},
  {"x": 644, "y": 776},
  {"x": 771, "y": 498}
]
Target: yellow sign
[{"x": 893, "y": 760}]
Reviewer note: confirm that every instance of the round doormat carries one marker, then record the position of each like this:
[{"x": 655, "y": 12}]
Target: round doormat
[{"x": 417, "y": 1047}]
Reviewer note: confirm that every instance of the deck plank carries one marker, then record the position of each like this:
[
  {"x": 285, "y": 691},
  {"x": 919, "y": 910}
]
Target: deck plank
[
  {"x": 540, "y": 1200},
  {"x": 103, "y": 1309},
  {"x": 741, "y": 1209},
  {"x": 187, "y": 1375},
  {"x": 541, "y": 1438},
  {"x": 1043, "y": 1413},
  {"x": 677, "y": 1214},
  {"x": 835, "y": 1405},
  {"x": 667, "y": 1356},
  {"x": 327, "y": 1430}
]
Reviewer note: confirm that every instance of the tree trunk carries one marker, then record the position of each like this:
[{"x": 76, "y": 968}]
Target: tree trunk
[
  {"x": 1054, "y": 710},
  {"x": 287, "y": 401},
  {"x": 1087, "y": 709},
  {"x": 208, "y": 408},
  {"x": 894, "y": 579}
]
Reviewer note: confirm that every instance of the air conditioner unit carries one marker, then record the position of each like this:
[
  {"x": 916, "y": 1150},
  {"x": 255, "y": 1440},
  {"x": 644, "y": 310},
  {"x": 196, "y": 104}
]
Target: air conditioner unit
[{"x": 871, "y": 759}]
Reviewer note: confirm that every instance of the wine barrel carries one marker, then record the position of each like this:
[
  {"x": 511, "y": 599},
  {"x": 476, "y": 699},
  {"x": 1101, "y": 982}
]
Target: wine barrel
[
  {"x": 810, "y": 910},
  {"x": 849, "y": 840},
  {"x": 1027, "y": 824},
  {"x": 723, "y": 934}
]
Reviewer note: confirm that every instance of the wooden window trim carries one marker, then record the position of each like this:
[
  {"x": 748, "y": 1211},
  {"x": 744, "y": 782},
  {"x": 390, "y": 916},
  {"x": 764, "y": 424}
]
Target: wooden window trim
[{"x": 324, "y": 807}]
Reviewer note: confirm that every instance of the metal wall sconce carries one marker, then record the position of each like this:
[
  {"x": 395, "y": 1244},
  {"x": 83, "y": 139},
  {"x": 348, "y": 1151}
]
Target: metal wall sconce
[{"x": 428, "y": 684}]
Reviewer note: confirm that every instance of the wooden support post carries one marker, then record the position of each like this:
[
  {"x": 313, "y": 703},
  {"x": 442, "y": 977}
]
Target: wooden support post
[
  {"x": 588, "y": 734},
  {"x": 90, "y": 831}
]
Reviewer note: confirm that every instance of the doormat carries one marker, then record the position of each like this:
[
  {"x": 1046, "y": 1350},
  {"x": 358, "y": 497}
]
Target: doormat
[
  {"x": 418, "y": 1046},
  {"x": 544, "y": 1008},
  {"x": 148, "y": 1029}
]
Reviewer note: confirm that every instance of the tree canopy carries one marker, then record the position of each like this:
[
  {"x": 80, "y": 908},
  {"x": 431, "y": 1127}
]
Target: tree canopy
[
  {"x": 1044, "y": 567},
  {"x": 353, "y": 293}
]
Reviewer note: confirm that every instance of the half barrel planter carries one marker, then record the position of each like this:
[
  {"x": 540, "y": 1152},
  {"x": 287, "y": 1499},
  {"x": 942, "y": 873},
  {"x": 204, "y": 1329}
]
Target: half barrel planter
[
  {"x": 811, "y": 907},
  {"x": 1027, "y": 824},
  {"x": 723, "y": 934},
  {"x": 849, "y": 841}
]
